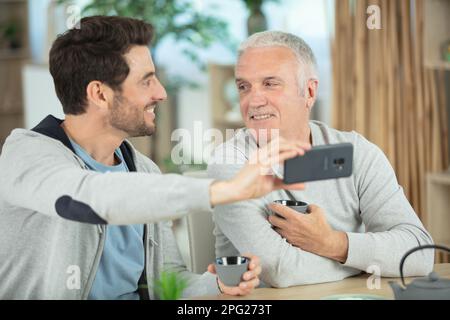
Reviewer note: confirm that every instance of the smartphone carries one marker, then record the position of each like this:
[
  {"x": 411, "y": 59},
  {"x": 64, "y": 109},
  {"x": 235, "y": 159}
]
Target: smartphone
[{"x": 329, "y": 161}]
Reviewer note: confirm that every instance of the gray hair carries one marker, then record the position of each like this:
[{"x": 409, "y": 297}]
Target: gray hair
[{"x": 305, "y": 56}]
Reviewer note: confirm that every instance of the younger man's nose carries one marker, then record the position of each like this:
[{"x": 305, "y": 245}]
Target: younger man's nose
[{"x": 160, "y": 92}]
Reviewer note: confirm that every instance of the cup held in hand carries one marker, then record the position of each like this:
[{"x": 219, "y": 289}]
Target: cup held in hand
[
  {"x": 231, "y": 269},
  {"x": 298, "y": 206}
]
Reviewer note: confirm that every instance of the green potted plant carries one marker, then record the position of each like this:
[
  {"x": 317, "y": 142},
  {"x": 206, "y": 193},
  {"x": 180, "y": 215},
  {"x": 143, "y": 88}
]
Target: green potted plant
[
  {"x": 170, "y": 285},
  {"x": 176, "y": 18},
  {"x": 11, "y": 35}
]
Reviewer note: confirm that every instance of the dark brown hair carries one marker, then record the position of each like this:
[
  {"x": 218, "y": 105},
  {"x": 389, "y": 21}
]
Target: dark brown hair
[{"x": 94, "y": 52}]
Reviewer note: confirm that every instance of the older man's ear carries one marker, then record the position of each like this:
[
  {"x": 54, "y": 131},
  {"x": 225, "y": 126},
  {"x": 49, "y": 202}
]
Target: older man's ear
[{"x": 311, "y": 92}]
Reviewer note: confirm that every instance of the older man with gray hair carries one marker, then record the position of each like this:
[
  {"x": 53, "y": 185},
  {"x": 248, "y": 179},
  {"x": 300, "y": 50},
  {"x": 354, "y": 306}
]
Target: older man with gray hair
[{"x": 360, "y": 223}]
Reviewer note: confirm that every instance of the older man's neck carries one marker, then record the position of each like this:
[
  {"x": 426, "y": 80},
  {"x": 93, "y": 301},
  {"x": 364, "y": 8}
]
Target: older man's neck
[
  {"x": 95, "y": 137},
  {"x": 302, "y": 135}
]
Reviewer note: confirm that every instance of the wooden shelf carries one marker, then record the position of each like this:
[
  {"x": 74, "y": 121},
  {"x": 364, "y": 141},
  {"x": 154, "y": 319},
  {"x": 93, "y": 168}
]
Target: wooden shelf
[
  {"x": 12, "y": 13},
  {"x": 436, "y": 32},
  {"x": 12, "y": 1},
  {"x": 219, "y": 76},
  {"x": 437, "y": 217},
  {"x": 438, "y": 65},
  {"x": 19, "y": 54},
  {"x": 11, "y": 113},
  {"x": 231, "y": 124},
  {"x": 442, "y": 178}
]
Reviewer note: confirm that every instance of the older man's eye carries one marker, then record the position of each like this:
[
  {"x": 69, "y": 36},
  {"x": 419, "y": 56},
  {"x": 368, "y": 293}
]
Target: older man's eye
[
  {"x": 242, "y": 87},
  {"x": 271, "y": 84}
]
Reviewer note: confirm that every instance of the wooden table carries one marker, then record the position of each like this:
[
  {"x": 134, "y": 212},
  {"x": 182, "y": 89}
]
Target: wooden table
[{"x": 352, "y": 285}]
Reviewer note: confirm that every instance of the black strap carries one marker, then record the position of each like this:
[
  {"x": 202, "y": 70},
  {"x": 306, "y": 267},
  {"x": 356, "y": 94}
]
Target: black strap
[
  {"x": 143, "y": 283},
  {"x": 127, "y": 156}
]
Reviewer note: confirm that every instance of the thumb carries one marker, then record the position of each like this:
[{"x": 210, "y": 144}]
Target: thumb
[
  {"x": 312, "y": 208},
  {"x": 212, "y": 268}
]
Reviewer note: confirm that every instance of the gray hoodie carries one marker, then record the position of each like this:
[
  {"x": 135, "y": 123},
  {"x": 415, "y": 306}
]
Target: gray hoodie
[{"x": 54, "y": 211}]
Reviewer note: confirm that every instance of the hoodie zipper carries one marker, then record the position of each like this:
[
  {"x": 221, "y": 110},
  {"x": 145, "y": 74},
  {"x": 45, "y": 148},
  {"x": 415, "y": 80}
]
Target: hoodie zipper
[{"x": 97, "y": 258}]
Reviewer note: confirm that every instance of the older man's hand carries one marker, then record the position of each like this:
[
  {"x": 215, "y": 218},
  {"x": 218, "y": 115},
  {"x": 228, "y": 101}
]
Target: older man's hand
[
  {"x": 310, "y": 232},
  {"x": 251, "y": 278}
]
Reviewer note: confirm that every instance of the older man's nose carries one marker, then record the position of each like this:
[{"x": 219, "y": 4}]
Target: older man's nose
[{"x": 257, "y": 99}]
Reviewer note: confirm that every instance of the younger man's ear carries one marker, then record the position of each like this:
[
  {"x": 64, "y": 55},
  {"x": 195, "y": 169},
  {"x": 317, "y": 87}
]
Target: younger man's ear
[{"x": 99, "y": 94}]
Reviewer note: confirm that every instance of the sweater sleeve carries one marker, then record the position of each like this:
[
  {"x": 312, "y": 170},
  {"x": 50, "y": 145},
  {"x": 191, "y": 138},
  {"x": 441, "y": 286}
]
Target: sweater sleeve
[
  {"x": 43, "y": 177},
  {"x": 392, "y": 226}
]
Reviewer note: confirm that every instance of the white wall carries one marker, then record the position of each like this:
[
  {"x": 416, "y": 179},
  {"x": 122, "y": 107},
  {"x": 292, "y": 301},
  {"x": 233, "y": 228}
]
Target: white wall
[{"x": 40, "y": 98}]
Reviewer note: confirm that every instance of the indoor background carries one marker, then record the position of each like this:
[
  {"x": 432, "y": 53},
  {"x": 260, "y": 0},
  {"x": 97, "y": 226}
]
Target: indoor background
[{"x": 386, "y": 79}]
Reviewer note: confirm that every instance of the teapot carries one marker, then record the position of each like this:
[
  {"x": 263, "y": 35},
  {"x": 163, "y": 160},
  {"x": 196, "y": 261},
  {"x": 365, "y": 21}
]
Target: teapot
[{"x": 431, "y": 287}]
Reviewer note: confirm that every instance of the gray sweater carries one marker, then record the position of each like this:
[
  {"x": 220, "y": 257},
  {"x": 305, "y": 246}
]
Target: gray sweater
[
  {"x": 43, "y": 254},
  {"x": 369, "y": 206}
]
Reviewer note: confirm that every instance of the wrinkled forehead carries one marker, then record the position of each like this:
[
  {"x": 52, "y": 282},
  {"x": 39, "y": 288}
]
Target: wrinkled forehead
[{"x": 265, "y": 62}]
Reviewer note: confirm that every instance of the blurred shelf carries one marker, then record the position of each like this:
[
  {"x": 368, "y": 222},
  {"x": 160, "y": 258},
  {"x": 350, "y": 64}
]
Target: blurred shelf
[
  {"x": 436, "y": 32},
  {"x": 231, "y": 124},
  {"x": 439, "y": 65},
  {"x": 443, "y": 177},
  {"x": 13, "y": 14},
  {"x": 13, "y": 112},
  {"x": 12, "y": 1},
  {"x": 19, "y": 54},
  {"x": 220, "y": 76},
  {"x": 437, "y": 216}
]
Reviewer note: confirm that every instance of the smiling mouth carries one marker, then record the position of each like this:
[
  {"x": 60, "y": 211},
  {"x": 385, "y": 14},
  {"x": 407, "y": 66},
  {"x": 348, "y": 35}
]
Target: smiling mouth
[
  {"x": 150, "y": 109},
  {"x": 264, "y": 116}
]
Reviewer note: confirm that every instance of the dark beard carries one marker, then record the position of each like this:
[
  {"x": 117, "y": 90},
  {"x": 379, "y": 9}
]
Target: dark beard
[{"x": 129, "y": 118}]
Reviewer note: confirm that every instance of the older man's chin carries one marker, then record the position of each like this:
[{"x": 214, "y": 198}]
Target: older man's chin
[{"x": 264, "y": 135}]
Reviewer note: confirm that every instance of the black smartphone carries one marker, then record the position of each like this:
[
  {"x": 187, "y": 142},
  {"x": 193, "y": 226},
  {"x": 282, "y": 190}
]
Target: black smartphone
[{"x": 329, "y": 161}]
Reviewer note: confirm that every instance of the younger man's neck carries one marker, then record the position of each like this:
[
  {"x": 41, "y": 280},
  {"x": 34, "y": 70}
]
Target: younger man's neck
[{"x": 93, "y": 136}]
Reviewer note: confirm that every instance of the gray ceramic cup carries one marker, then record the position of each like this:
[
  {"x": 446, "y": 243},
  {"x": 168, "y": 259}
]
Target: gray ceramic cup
[
  {"x": 231, "y": 269},
  {"x": 298, "y": 206}
]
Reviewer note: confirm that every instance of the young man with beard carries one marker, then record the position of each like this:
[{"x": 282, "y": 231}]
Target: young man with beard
[{"x": 80, "y": 208}]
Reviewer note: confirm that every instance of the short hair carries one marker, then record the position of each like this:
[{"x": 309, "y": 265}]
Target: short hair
[
  {"x": 94, "y": 51},
  {"x": 305, "y": 56}
]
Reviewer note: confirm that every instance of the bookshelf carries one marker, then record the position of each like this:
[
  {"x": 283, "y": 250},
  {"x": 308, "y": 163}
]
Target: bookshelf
[
  {"x": 436, "y": 33},
  {"x": 437, "y": 219},
  {"x": 220, "y": 76},
  {"x": 14, "y": 52}
]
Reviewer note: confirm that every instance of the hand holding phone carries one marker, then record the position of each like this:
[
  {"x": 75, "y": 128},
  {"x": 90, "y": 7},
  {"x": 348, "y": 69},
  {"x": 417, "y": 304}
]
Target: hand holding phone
[{"x": 329, "y": 161}]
